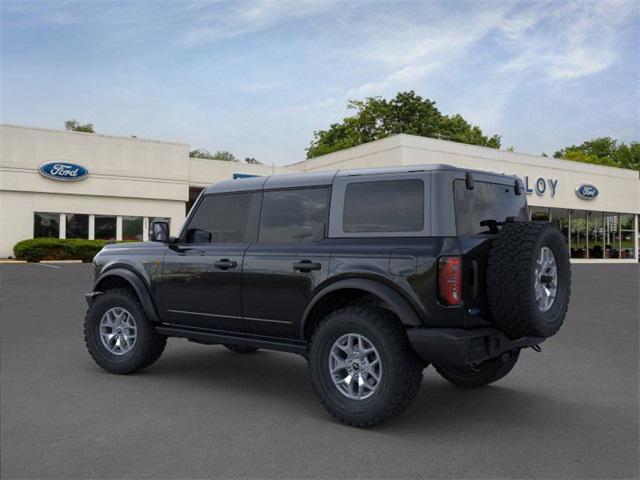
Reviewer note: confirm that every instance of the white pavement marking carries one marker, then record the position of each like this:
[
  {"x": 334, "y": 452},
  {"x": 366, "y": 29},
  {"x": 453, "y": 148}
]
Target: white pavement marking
[{"x": 47, "y": 265}]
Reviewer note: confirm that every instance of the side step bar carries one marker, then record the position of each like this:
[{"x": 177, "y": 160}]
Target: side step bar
[{"x": 212, "y": 337}]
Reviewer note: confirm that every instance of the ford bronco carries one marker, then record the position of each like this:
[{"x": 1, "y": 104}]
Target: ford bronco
[{"x": 371, "y": 275}]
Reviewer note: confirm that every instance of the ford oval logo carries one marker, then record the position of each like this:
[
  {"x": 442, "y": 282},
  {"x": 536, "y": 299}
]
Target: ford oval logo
[
  {"x": 64, "y": 171},
  {"x": 586, "y": 191}
]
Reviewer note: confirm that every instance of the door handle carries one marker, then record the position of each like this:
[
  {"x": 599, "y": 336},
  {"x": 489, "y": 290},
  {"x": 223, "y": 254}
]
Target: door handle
[
  {"x": 306, "y": 266},
  {"x": 225, "y": 264}
]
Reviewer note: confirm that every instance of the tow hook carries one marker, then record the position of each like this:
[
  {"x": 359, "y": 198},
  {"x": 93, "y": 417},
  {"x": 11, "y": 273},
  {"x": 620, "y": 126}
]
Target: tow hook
[{"x": 536, "y": 348}]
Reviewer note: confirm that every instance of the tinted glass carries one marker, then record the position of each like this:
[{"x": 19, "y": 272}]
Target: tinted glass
[
  {"x": 46, "y": 225},
  {"x": 294, "y": 216},
  {"x": 77, "y": 226},
  {"x": 385, "y": 206},
  {"x": 132, "y": 228},
  {"x": 228, "y": 218},
  {"x": 487, "y": 201},
  {"x": 105, "y": 227}
]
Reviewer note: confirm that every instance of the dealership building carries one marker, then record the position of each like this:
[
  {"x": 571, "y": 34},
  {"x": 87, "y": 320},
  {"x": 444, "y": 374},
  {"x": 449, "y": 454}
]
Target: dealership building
[{"x": 79, "y": 185}]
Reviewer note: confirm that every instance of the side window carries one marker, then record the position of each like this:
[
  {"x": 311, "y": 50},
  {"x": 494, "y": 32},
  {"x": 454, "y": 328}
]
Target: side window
[
  {"x": 294, "y": 216},
  {"x": 230, "y": 218},
  {"x": 384, "y": 206}
]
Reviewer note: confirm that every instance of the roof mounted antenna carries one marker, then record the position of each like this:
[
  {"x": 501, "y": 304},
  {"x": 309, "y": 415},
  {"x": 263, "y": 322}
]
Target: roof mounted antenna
[{"x": 468, "y": 180}]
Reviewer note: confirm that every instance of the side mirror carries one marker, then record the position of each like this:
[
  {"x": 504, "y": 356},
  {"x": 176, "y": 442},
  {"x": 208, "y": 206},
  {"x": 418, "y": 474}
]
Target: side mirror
[{"x": 159, "y": 232}]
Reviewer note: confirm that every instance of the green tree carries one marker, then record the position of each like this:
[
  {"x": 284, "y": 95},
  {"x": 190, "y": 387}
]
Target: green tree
[
  {"x": 604, "y": 151},
  {"x": 225, "y": 156},
  {"x": 74, "y": 126},
  {"x": 219, "y": 155},
  {"x": 252, "y": 161},
  {"x": 377, "y": 118}
]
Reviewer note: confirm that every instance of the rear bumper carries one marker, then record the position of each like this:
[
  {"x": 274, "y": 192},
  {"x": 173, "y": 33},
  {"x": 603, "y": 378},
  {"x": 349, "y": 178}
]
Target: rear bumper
[{"x": 456, "y": 347}]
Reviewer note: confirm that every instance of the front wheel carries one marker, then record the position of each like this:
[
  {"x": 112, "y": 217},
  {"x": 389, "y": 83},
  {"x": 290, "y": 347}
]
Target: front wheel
[
  {"x": 118, "y": 334},
  {"x": 480, "y": 375},
  {"x": 362, "y": 367}
]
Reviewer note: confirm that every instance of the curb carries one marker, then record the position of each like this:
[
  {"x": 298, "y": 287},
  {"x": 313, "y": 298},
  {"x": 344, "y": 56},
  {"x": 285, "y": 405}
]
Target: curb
[
  {"x": 9, "y": 261},
  {"x": 60, "y": 261}
]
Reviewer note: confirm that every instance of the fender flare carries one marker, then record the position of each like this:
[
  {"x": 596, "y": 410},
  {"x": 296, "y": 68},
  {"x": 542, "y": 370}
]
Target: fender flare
[
  {"x": 397, "y": 303},
  {"x": 138, "y": 285}
]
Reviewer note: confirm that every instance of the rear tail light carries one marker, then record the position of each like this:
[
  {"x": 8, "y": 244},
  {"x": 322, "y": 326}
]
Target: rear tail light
[{"x": 450, "y": 280}]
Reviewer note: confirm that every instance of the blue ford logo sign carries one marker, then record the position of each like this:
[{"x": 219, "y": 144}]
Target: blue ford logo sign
[
  {"x": 586, "y": 191},
  {"x": 64, "y": 171}
]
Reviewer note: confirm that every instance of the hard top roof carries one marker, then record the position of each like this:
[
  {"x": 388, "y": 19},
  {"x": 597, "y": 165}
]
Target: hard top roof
[{"x": 314, "y": 179}]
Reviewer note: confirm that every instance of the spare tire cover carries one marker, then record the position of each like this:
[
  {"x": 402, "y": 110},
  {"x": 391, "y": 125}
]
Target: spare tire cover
[{"x": 529, "y": 279}]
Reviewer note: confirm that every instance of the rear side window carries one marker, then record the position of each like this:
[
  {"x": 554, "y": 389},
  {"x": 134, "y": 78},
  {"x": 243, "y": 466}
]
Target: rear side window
[
  {"x": 487, "y": 201},
  {"x": 230, "y": 218},
  {"x": 384, "y": 206},
  {"x": 294, "y": 216}
]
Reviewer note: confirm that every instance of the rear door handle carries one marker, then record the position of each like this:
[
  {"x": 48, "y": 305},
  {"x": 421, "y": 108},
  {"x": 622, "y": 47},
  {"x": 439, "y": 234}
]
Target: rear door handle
[
  {"x": 306, "y": 266},
  {"x": 225, "y": 264}
]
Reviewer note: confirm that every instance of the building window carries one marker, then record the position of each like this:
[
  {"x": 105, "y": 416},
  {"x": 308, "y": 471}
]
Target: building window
[
  {"x": 560, "y": 218},
  {"x": 294, "y": 216},
  {"x": 611, "y": 236},
  {"x": 105, "y": 227},
  {"x": 595, "y": 226},
  {"x": 539, "y": 214},
  {"x": 132, "y": 228},
  {"x": 626, "y": 236},
  {"x": 77, "y": 226},
  {"x": 46, "y": 225},
  {"x": 578, "y": 234}
]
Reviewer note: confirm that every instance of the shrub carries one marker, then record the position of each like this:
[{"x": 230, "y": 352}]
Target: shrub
[{"x": 36, "y": 249}]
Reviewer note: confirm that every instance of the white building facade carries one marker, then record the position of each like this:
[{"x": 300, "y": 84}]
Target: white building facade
[{"x": 129, "y": 182}]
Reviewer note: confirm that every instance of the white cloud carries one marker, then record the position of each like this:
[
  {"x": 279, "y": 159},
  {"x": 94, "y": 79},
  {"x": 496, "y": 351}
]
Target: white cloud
[{"x": 405, "y": 77}]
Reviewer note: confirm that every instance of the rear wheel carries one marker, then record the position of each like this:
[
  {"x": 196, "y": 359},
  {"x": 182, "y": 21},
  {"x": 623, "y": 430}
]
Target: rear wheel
[
  {"x": 362, "y": 367},
  {"x": 118, "y": 334},
  {"x": 480, "y": 375},
  {"x": 240, "y": 348}
]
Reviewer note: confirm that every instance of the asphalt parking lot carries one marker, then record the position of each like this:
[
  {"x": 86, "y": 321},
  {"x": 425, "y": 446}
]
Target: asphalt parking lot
[{"x": 202, "y": 411}]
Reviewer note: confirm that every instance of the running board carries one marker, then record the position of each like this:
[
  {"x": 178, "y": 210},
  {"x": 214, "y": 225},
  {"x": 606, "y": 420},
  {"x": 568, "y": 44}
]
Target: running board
[{"x": 212, "y": 337}]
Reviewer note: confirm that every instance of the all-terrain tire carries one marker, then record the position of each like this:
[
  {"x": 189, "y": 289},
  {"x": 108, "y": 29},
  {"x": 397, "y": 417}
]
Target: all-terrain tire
[
  {"x": 148, "y": 345},
  {"x": 401, "y": 369},
  {"x": 487, "y": 372},
  {"x": 240, "y": 348},
  {"x": 511, "y": 279}
]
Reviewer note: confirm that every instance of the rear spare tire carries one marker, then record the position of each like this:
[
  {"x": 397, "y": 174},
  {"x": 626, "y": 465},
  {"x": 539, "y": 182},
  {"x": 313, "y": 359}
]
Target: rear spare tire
[{"x": 529, "y": 279}]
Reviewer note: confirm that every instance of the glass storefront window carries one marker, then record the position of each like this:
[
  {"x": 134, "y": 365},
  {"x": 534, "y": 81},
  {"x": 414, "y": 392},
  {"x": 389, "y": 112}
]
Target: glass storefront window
[
  {"x": 105, "y": 227},
  {"x": 132, "y": 228},
  {"x": 578, "y": 234},
  {"x": 626, "y": 236},
  {"x": 611, "y": 236},
  {"x": 560, "y": 218},
  {"x": 539, "y": 214},
  {"x": 595, "y": 232},
  {"x": 46, "y": 225},
  {"x": 77, "y": 226}
]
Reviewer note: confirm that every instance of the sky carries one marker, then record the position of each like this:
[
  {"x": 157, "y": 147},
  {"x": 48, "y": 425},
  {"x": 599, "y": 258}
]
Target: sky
[{"x": 258, "y": 77}]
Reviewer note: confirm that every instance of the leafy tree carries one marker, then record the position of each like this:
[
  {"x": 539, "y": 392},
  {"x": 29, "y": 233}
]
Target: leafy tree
[
  {"x": 377, "y": 118},
  {"x": 604, "y": 151},
  {"x": 252, "y": 161},
  {"x": 201, "y": 153},
  {"x": 75, "y": 126},
  {"x": 219, "y": 155},
  {"x": 225, "y": 156}
]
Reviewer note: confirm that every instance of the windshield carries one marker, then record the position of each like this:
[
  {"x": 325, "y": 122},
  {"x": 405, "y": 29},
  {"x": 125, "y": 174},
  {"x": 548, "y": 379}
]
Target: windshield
[{"x": 486, "y": 202}]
